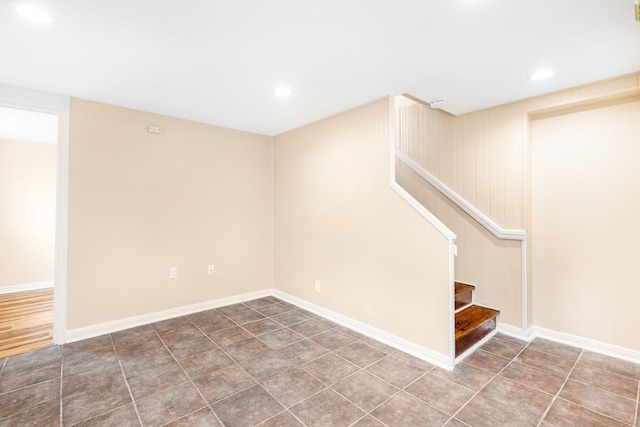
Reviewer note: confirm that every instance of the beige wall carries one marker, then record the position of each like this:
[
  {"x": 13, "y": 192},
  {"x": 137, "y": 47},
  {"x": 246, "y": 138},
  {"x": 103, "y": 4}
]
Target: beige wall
[
  {"x": 140, "y": 203},
  {"x": 27, "y": 212},
  {"x": 585, "y": 233},
  {"x": 338, "y": 221}
]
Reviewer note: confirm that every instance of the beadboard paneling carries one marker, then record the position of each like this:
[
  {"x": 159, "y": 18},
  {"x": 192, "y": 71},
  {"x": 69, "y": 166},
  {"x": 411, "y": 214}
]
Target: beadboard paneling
[
  {"x": 481, "y": 155},
  {"x": 490, "y": 263}
]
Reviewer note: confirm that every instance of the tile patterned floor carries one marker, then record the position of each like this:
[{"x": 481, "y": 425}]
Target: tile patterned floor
[{"x": 269, "y": 363}]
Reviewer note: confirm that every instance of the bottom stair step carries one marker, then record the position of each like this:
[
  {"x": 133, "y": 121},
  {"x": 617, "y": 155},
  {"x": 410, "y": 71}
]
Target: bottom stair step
[{"x": 472, "y": 324}]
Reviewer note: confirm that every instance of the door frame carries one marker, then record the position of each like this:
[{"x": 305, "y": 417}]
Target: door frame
[{"x": 43, "y": 102}]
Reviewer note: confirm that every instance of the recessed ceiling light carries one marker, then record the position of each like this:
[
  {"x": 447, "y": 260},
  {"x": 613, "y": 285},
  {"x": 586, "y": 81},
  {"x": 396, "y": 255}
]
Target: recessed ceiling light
[
  {"x": 283, "y": 92},
  {"x": 33, "y": 13},
  {"x": 541, "y": 74}
]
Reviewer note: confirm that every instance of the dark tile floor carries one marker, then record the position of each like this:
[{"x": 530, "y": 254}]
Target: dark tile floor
[{"x": 268, "y": 363}]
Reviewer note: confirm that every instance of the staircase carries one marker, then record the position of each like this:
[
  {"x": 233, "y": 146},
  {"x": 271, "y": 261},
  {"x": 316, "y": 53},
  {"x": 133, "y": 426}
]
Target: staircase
[{"x": 473, "y": 322}]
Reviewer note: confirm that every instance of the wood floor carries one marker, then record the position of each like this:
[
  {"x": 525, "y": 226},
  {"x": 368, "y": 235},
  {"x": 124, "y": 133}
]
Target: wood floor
[{"x": 26, "y": 321}]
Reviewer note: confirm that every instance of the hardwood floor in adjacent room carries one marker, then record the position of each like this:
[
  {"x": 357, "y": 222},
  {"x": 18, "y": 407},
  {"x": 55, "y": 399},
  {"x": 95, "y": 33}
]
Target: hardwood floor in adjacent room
[{"x": 26, "y": 321}]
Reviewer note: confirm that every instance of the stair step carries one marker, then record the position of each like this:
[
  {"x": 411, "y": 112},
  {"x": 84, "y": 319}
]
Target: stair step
[
  {"x": 472, "y": 324},
  {"x": 463, "y": 294}
]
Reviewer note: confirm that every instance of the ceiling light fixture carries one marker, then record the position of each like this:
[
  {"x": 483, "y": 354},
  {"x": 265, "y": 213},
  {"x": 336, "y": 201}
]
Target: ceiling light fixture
[
  {"x": 541, "y": 74},
  {"x": 32, "y": 12},
  {"x": 283, "y": 92}
]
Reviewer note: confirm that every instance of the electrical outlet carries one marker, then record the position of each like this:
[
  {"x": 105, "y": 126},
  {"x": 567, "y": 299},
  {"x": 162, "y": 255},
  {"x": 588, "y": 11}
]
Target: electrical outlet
[
  {"x": 210, "y": 270},
  {"x": 318, "y": 286},
  {"x": 173, "y": 273}
]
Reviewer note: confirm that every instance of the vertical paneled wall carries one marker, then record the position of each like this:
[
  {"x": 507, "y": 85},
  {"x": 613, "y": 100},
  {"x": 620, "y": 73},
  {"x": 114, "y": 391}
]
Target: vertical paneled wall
[
  {"x": 337, "y": 221},
  {"x": 474, "y": 155},
  {"x": 483, "y": 157},
  {"x": 491, "y": 263}
]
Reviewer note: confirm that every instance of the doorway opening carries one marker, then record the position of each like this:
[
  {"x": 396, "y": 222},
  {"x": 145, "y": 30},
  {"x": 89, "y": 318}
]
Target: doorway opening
[
  {"x": 34, "y": 139},
  {"x": 28, "y": 163}
]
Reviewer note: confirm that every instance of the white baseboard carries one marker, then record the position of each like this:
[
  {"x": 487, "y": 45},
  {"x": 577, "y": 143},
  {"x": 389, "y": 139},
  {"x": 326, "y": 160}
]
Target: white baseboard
[
  {"x": 513, "y": 331},
  {"x": 26, "y": 287},
  {"x": 413, "y": 349},
  {"x": 131, "y": 322},
  {"x": 399, "y": 343},
  {"x": 572, "y": 340},
  {"x": 586, "y": 344}
]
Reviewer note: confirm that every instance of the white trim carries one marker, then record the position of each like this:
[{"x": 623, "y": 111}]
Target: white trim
[
  {"x": 476, "y": 346},
  {"x": 401, "y": 344},
  {"x": 452, "y": 303},
  {"x": 32, "y": 100},
  {"x": 423, "y": 353},
  {"x": 26, "y": 287},
  {"x": 439, "y": 225},
  {"x": 572, "y": 340},
  {"x": 415, "y": 350},
  {"x": 62, "y": 228},
  {"x": 471, "y": 210},
  {"x": 144, "y": 319},
  {"x": 464, "y": 307},
  {"x": 525, "y": 296},
  {"x": 586, "y": 344},
  {"x": 513, "y": 331}
]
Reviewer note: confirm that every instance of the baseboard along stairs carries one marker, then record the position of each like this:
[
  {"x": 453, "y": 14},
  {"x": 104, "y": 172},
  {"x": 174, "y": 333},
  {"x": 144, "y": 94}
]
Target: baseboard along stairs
[{"x": 473, "y": 322}]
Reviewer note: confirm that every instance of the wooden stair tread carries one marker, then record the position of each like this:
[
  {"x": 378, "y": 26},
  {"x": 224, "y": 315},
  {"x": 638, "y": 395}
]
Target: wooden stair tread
[
  {"x": 471, "y": 318},
  {"x": 464, "y": 295},
  {"x": 461, "y": 288}
]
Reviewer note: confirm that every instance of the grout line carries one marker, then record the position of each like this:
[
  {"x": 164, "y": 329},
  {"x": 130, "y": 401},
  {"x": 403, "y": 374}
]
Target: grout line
[
  {"x": 286, "y": 409},
  {"x": 124, "y": 375},
  {"x": 325, "y": 387},
  {"x": 61, "y": 377},
  {"x": 489, "y": 381},
  {"x": 637, "y": 417},
  {"x": 330, "y": 387},
  {"x": 560, "y": 389},
  {"x": 83, "y": 392},
  {"x": 590, "y": 385},
  {"x": 208, "y": 405}
]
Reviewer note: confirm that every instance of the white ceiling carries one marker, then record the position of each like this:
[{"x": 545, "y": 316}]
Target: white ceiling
[
  {"x": 220, "y": 62},
  {"x": 28, "y": 126}
]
